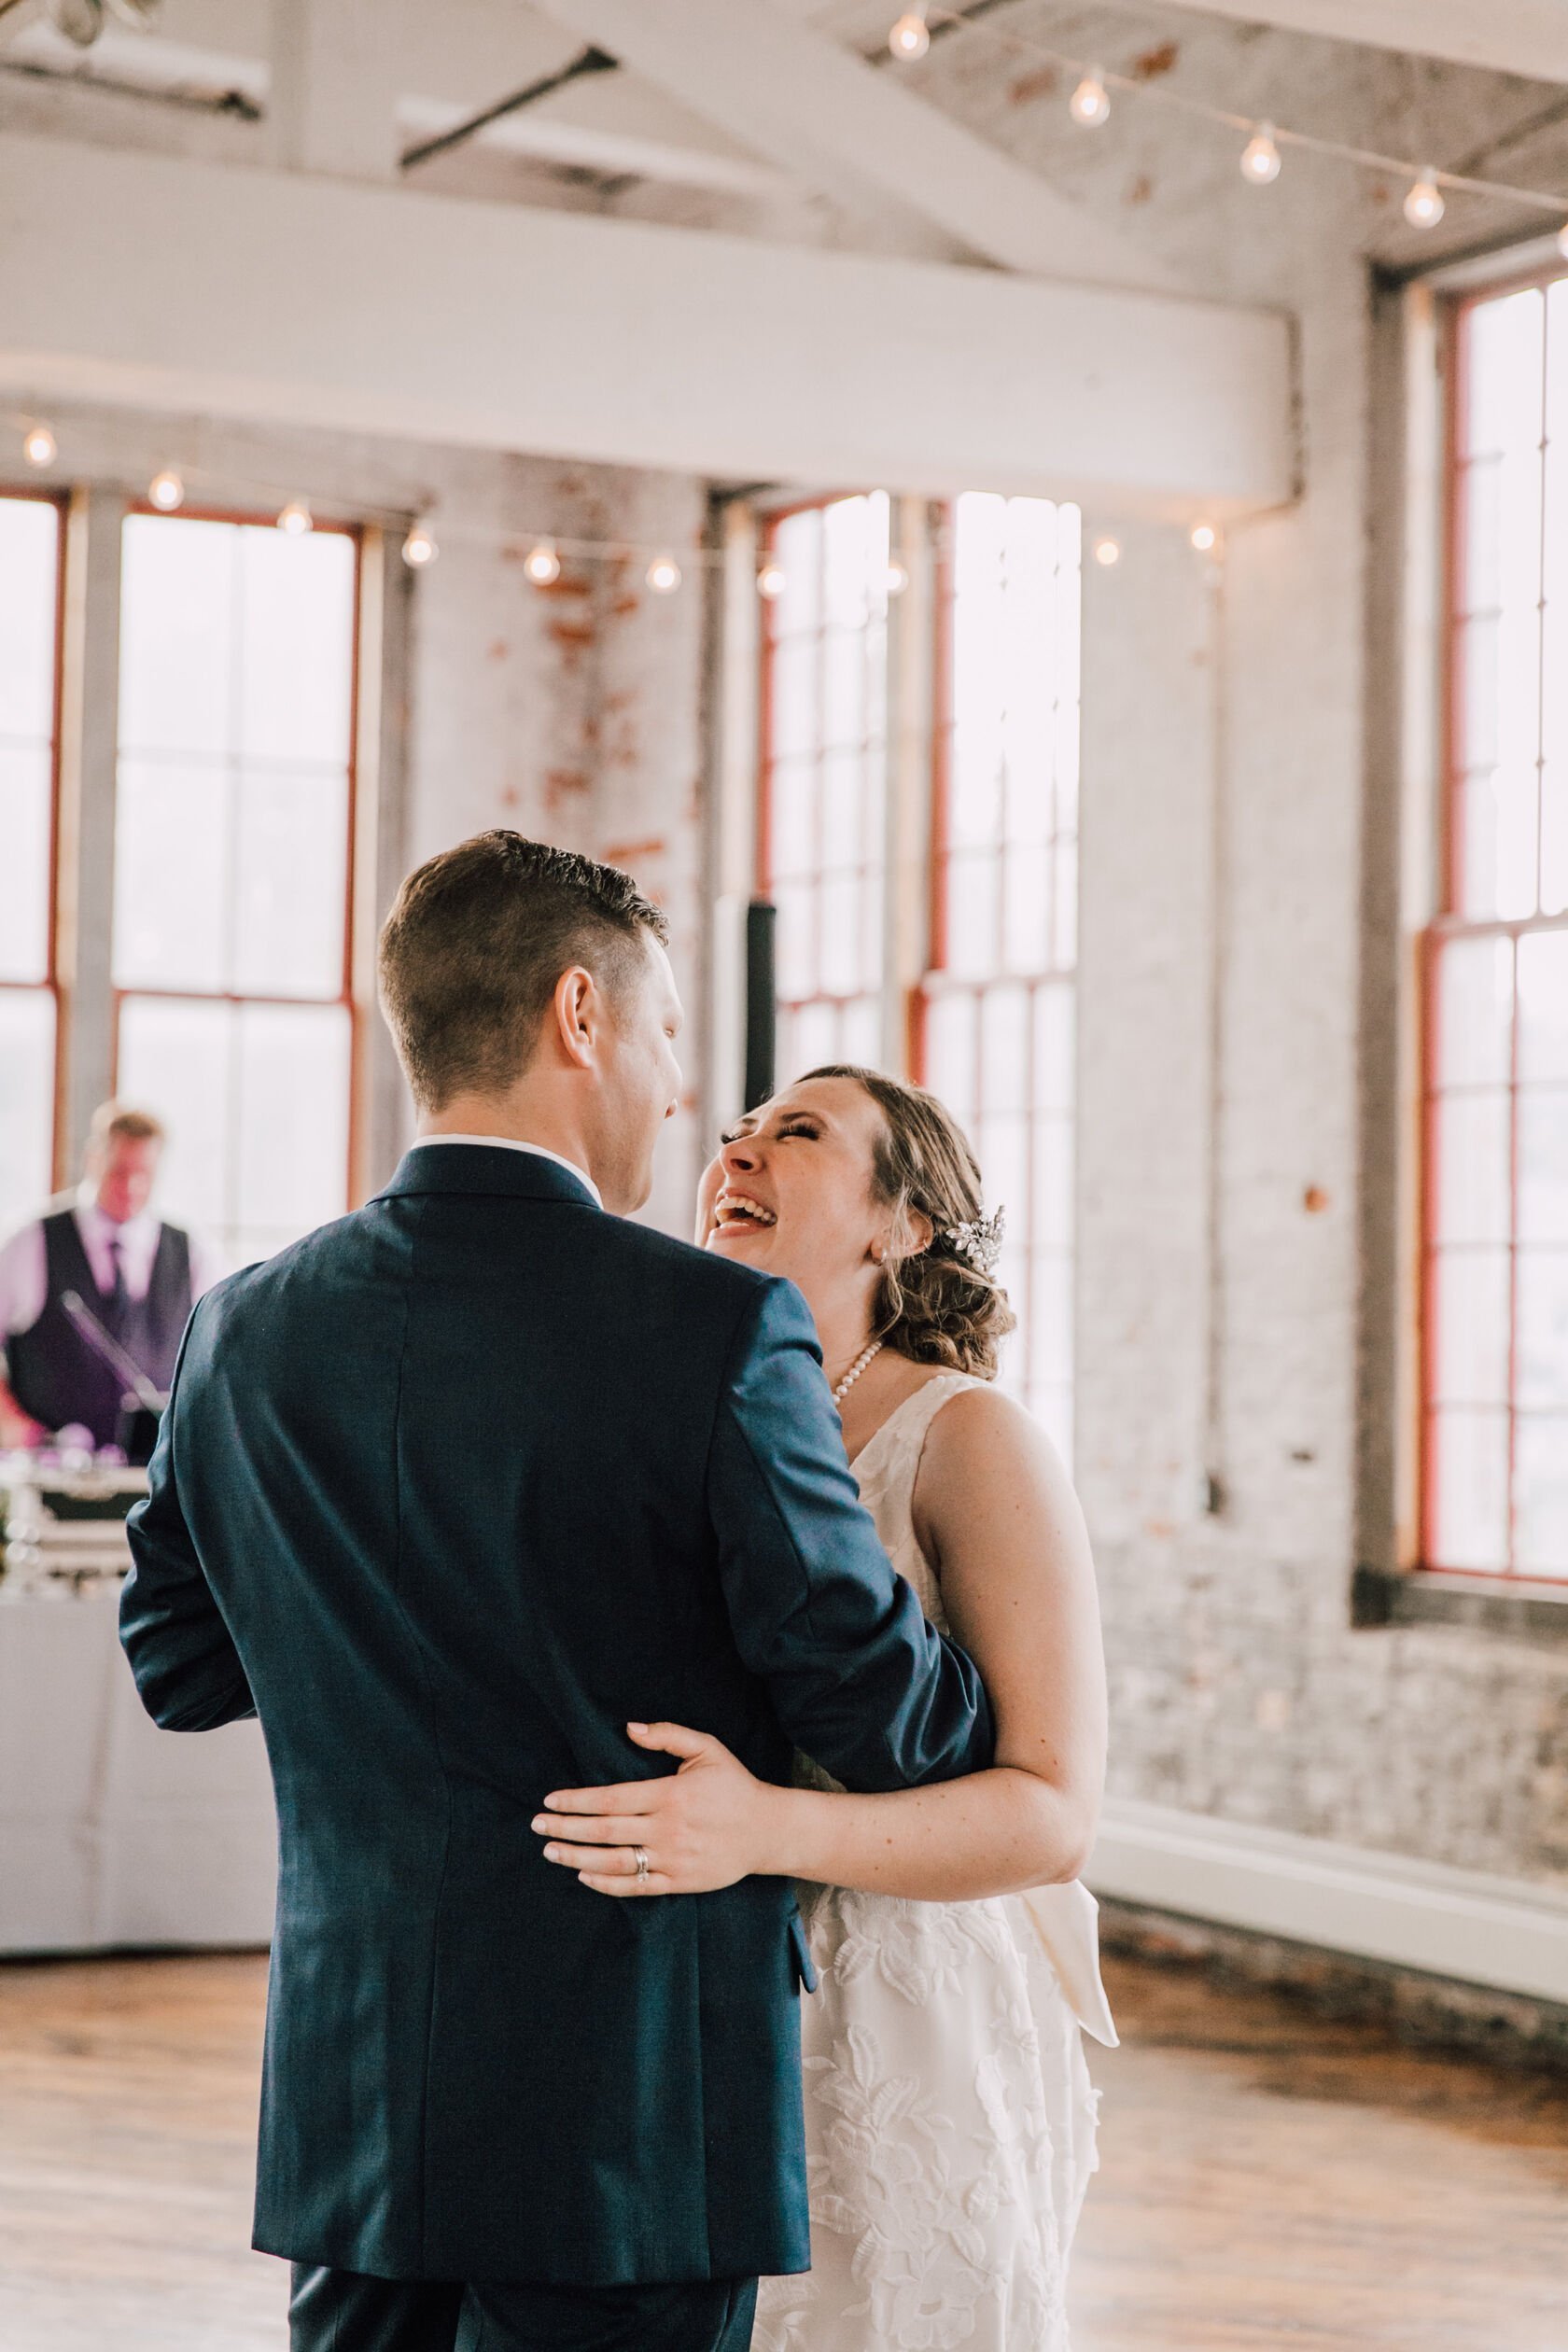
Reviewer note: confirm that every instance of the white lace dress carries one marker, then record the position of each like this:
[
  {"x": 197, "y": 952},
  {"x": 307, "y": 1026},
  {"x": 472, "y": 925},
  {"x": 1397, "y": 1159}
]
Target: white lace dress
[{"x": 949, "y": 2117}]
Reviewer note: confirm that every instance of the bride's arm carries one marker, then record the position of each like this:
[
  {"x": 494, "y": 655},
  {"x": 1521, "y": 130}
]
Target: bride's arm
[{"x": 995, "y": 1510}]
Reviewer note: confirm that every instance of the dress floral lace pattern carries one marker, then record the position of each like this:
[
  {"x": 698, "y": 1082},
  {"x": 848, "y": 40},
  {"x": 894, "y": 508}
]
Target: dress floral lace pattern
[{"x": 950, "y": 2122}]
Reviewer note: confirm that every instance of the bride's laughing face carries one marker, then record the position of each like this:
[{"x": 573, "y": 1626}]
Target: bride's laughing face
[{"x": 792, "y": 1189}]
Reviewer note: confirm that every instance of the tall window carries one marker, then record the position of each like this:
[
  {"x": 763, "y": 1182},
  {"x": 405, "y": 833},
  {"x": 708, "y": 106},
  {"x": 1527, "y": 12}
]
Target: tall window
[
  {"x": 29, "y": 634},
  {"x": 233, "y": 856},
  {"x": 993, "y": 1025},
  {"x": 996, "y": 1032},
  {"x": 1496, "y": 1191},
  {"x": 824, "y": 778}
]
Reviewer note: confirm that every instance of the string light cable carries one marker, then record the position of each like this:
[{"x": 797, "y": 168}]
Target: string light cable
[
  {"x": 1261, "y": 158},
  {"x": 415, "y": 526},
  {"x": 420, "y": 532}
]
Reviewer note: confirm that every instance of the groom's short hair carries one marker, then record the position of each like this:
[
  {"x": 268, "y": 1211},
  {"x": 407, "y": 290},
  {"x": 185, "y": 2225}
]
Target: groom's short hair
[{"x": 472, "y": 950}]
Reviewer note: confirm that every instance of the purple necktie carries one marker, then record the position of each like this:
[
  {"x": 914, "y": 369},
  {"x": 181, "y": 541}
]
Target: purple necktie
[{"x": 119, "y": 1298}]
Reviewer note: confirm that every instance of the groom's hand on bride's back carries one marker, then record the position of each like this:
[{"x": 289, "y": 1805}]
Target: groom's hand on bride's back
[{"x": 699, "y": 1828}]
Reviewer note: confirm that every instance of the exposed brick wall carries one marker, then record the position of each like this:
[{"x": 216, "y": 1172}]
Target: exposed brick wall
[{"x": 1223, "y": 1281}]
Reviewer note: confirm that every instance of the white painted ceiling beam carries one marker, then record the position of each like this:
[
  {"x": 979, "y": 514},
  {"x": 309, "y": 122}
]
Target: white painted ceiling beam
[
  {"x": 199, "y": 288},
  {"x": 857, "y": 134},
  {"x": 1507, "y": 37}
]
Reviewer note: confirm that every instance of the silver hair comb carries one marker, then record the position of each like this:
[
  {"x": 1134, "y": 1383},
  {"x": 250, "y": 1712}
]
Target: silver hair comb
[{"x": 978, "y": 1244}]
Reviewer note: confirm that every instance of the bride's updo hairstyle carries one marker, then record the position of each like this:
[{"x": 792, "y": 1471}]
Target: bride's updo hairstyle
[{"x": 934, "y": 1306}]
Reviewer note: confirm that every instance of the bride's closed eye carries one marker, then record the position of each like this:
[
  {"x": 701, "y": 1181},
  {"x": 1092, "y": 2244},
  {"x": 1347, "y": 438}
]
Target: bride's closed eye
[{"x": 806, "y": 1128}]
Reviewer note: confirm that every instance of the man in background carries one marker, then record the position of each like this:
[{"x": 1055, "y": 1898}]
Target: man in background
[{"x": 138, "y": 1276}]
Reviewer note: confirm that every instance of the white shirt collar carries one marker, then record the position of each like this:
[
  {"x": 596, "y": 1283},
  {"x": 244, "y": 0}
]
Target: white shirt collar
[{"x": 511, "y": 1143}]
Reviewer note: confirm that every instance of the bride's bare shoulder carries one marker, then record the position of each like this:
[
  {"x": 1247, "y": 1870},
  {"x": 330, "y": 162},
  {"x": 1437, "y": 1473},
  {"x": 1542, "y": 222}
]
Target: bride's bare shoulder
[
  {"x": 992, "y": 1492},
  {"x": 979, "y": 1437},
  {"x": 982, "y": 1414}
]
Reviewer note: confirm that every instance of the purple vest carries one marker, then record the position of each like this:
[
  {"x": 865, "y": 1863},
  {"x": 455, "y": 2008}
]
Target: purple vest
[{"x": 55, "y": 1376}]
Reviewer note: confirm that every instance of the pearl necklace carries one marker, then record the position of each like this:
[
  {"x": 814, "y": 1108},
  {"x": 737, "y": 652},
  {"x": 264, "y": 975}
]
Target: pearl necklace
[{"x": 842, "y": 1390}]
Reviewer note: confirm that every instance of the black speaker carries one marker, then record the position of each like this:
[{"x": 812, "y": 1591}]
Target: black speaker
[{"x": 762, "y": 1006}]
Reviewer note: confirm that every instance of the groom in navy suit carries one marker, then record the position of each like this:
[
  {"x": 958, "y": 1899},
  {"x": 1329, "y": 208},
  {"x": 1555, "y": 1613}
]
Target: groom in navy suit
[{"x": 448, "y": 1493}]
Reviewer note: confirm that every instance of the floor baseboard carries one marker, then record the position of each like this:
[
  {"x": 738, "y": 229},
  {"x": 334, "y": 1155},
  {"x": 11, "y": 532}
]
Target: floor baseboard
[
  {"x": 1503, "y": 1935},
  {"x": 1422, "y": 2011}
]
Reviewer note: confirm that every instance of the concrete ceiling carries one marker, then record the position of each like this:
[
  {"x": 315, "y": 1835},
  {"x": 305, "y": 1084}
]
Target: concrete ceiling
[
  {"x": 447, "y": 63},
  {"x": 742, "y": 98},
  {"x": 1513, "y": 36},
  {"x": 700, "y": 101},
  {"x": 864, "y": 138},
  {"x": 1508, "y": 36}
]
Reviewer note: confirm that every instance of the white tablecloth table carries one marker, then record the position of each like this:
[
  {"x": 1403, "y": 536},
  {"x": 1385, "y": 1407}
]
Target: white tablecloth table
[{"x": 112, "y": 1832}]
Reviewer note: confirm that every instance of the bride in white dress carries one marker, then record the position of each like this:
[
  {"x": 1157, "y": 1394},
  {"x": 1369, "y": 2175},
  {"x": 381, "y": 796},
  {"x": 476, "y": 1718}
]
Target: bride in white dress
[{"x": 949, "y": 2117}]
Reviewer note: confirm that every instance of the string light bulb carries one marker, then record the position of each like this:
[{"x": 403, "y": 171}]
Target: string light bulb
[
  {"x": 166, "y": 490},
  {"x": 664, "y": 575},
  {"x": 1106, "y": 553},
  {"x": 39, "y": 446},
  {"x": 542, "y": 564},
  {"x": 1090, "y": 102},
  {"x": 1260, "y": 157},
  {"x": 1424, "y": 206},
  {"x": 296, "y": 518},
  {"x": 1204, "y": 537},
  {"x": 419, "y": 548},
  {"x": 897, "y": 577},
  {"x": 770, "y": 581},
  {"x": 910, "y": 37}
]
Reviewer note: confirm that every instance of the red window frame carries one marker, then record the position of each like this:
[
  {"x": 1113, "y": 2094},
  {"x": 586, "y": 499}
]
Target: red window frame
[
  {"x": 345, "y": 997},
  {"x": 1452, "y": 927}
]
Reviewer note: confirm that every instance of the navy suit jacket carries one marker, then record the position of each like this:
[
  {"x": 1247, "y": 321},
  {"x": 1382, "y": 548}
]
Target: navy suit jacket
[{"x": 447, "y": 1493}]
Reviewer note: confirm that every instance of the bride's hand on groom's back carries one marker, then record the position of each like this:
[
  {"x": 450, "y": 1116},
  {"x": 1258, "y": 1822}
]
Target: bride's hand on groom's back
[{"x": 701, "y": 1827}]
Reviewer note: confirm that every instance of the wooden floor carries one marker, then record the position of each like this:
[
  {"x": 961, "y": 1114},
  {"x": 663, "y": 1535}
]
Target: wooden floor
[{"x": 1267, "y": 2179}]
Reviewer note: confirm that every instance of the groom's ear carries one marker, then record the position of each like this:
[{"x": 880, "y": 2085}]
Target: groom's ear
[{"x": 577, "y": 1009}]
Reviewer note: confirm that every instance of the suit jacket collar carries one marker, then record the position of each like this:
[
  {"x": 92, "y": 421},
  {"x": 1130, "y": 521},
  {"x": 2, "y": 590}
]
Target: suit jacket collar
[{"x": 480, "y": 1167}]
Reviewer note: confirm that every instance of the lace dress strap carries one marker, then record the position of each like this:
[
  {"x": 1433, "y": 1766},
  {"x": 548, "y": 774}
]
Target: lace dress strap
[
  {"x": 904, "y": 1433},
  {"x": 887, "y": 1463},
  {"x": 887, "y": 1470}
]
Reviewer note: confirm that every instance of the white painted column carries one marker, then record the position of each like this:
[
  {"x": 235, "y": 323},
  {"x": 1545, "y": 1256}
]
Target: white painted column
[
  {"x": 332, "y": 107},
  {"x": 1145, "y": 1038},
  {"x": 89, "y": 755}
]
